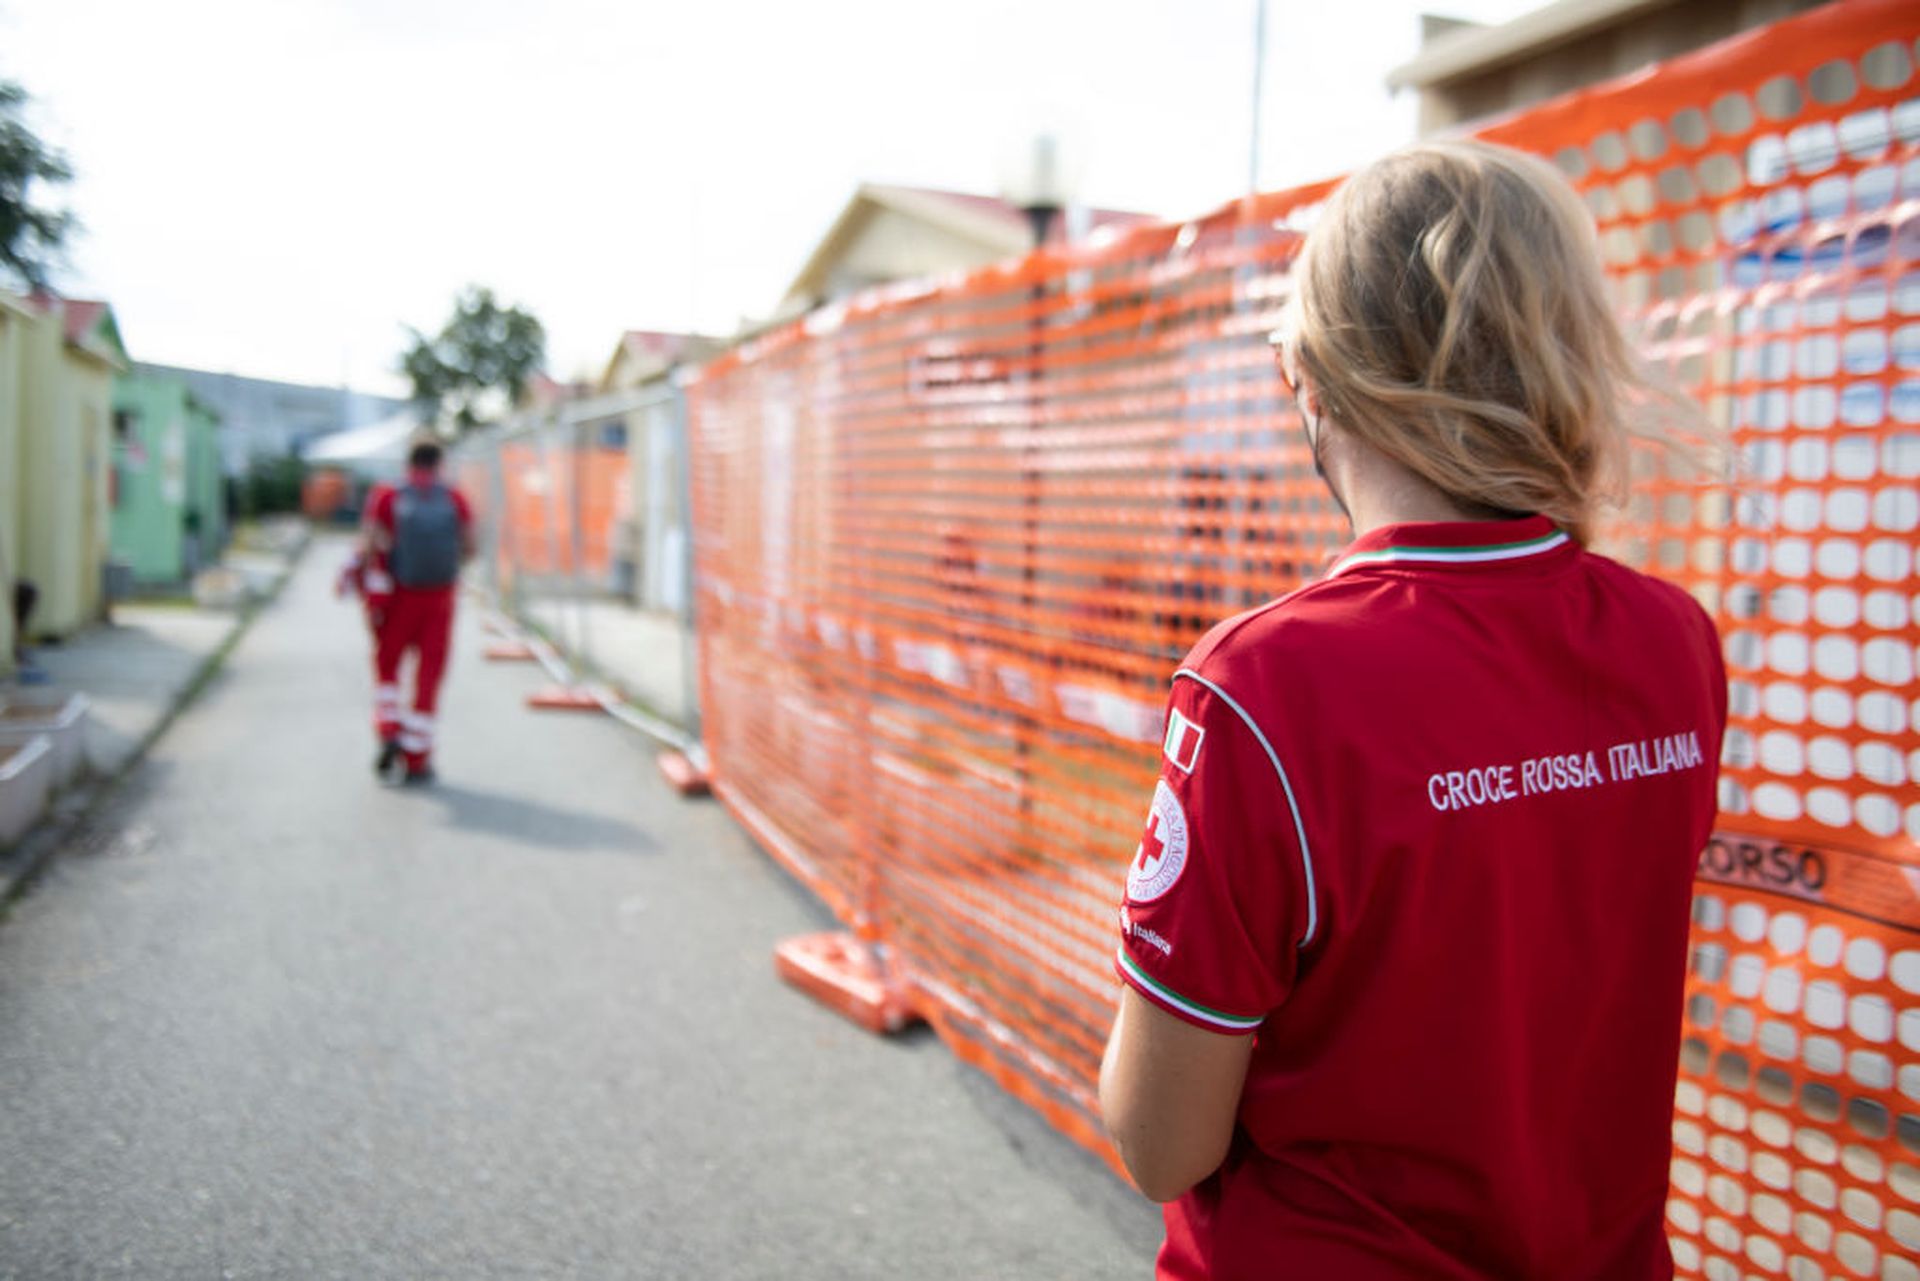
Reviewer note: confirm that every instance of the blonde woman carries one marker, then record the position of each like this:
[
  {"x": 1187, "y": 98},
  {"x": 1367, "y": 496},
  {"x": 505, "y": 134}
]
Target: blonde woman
[{"x": 1403, "y": 943}]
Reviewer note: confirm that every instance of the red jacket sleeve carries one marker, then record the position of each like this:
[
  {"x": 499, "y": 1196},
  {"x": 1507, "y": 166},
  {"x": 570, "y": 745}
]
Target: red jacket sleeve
[{"x": 1215, "y": 898}]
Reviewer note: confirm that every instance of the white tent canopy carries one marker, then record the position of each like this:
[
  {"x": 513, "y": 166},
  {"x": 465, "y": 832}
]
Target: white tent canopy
[{"x": 376, "y": 449}]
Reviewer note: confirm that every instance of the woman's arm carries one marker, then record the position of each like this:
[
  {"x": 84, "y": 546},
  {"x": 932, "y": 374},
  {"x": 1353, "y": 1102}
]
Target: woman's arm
[{"x": 1169, "y": 1092}]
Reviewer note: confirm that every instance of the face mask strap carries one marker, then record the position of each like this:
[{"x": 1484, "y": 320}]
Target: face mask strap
[{"x": 1311, "y": 426}]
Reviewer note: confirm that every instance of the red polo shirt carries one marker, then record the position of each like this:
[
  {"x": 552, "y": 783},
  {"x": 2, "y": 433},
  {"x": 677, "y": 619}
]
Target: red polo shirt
[{"x": 1427, "y": 830}]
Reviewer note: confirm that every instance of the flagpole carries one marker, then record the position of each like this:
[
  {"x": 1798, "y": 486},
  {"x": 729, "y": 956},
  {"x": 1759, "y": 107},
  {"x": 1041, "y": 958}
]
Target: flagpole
[{"x": 1259, "y": 80}]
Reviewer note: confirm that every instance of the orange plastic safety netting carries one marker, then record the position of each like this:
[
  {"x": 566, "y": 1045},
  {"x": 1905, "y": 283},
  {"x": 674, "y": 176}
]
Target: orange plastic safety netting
[
  {"x": 550, "y": 508},
  {"x": 1759, "y": 206},
  {"x": 952, "y": 538}
]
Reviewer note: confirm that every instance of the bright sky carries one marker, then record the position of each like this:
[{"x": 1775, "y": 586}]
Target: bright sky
[{"x": 275, "y": 187}]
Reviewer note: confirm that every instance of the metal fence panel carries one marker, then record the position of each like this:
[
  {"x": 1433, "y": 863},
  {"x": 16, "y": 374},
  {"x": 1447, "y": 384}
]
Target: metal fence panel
[{"x": 581, "y": 515}]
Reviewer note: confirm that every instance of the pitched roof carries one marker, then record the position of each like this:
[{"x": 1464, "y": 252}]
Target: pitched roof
[
  {"x": 543, "y": 391},
  {"x": 81, "y": 316},
  {"x": 1011, "y": 214},
  {"x": 87, "y": 324},
  {"x": 654, "y": 351},
  {"x": 1473, "y": 50},
  {"x": 998, "y": 227}
]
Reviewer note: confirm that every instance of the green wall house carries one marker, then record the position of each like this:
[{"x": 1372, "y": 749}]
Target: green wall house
[
  {"x": 169, "y": 509},
  {"x": 69, "y": 351},
  {"x": 206, "y": 484}
]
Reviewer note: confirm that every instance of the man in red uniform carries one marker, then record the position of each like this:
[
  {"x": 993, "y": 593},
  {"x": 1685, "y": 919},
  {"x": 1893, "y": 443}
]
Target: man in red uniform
[
  {"x": 1404, "y": 940},
  {"x": 422, "y": 532}
]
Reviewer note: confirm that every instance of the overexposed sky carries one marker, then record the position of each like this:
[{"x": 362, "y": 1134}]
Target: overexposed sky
[{"x": 275, "y": 187}]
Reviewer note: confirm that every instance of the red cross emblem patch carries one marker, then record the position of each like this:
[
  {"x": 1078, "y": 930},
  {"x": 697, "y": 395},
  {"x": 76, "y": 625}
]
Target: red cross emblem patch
[{"x": 1162, "y": 855}]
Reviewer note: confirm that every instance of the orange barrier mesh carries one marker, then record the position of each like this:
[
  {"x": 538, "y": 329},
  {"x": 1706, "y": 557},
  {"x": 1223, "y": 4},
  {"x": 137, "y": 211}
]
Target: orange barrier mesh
[
  {"x": 1757, "y": 204},
  {"x": 951, "y": 539},
  {"x": 543, "y": 482},
  {"x": 549, "y": 508}
]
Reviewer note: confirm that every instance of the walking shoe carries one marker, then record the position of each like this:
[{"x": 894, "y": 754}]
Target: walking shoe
[
  {"x": 389, "y": 757},
  {"x": 418, "y": 776}
]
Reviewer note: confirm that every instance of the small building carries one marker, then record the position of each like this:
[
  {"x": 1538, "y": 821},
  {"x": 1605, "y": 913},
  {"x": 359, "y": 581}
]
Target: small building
[
  {"x": 169, "y": 491},
  {"x": 644, "y": 355},
  {"x": 650, "y": 515},
  {"x": 344, "y": 465},
  {"x": 888, "y": 233},
  {"x": 69, "y": 354},
  {"x": 262, "y": 420},
  {"x": 1466, "y": 72},
  {"x": 542, "y": 392},
  {"x": 16, "y": 318},
  {"x": 376, "y": 452}
]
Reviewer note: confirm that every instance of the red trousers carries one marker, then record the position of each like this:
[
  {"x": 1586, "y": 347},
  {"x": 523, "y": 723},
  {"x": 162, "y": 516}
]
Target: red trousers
[{"x": 421, "y": 621}]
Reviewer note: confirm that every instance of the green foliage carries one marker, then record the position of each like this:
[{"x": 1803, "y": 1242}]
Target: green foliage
[
  {"x": 482, "y": 357},
  {"x": 31, "y": 236},
  {"x": 272, "y": 485}
]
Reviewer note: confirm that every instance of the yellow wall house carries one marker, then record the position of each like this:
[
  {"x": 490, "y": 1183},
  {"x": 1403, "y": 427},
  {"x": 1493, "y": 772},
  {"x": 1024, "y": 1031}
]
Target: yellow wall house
[
  {"x": 15, "y": 316},
  {"x": 69, "y": 351}
]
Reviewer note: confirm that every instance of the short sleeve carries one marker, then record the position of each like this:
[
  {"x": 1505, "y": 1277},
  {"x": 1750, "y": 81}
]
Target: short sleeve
[
  {"x": 1216, "y": 896},
  {"x": 380, "y": 508}
]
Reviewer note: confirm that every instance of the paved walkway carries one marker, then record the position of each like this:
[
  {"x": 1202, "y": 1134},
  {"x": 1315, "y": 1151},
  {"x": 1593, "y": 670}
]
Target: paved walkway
[
  {"x": 135, "y": 673},
  {"x": 135, "y": 670},
  {"x": 267, "y": 1019}
]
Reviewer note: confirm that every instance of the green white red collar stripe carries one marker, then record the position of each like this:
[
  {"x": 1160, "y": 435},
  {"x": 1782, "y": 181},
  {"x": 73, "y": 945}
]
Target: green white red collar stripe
[
  {"x": 1193, "y": 1009},
  {"x": 1471, "y": 553}
]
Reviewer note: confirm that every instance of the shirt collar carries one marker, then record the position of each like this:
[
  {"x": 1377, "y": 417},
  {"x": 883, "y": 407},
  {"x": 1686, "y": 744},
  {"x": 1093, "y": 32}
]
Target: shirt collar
[{"x": 1454, "y": 543}]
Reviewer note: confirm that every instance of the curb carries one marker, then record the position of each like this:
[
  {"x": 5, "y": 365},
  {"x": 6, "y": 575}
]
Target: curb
[{"x": 69, "y": 812}]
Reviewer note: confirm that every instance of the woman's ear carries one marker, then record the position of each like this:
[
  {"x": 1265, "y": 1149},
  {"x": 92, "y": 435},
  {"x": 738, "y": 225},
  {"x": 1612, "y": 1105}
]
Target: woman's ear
[{"x": 1309, "y": 400}]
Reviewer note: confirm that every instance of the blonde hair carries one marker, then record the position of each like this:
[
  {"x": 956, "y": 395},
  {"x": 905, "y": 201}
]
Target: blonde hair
[{"x": 1452, "y": 313}]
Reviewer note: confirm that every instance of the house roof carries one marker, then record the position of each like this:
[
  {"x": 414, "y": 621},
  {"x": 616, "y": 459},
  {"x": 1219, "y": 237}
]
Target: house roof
[
  {"x": 86, "y": 324},
  {"x": 655, "y": 351},
  {"x": 81, "y": 317},
  {"x": 376, "y": 444},
  {"x": 1003, "y": 211},
  {"x": 543, "y": 391},
  {"x": 997, "y": 226},
  {"x": 1474, "y": 50}
]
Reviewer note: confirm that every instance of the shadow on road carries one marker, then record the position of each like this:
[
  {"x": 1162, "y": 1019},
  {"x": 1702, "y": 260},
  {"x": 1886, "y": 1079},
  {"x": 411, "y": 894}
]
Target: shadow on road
[{"x": 541, "y": 826}]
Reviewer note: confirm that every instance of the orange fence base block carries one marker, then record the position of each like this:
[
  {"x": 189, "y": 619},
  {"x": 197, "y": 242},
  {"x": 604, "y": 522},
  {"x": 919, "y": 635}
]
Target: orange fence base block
[
  {"x": 563, "y": 698},
  {"x": 842, "y": 973},
  {"x": 683, "y": 775},
  {"x": 511, "y": 651}
]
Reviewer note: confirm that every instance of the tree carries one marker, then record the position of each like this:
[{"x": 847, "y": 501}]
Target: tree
[
  {"x": 478, "y": 364},
  {"x": 272, "y": 485},
  {"x": 31, "y": 236}
]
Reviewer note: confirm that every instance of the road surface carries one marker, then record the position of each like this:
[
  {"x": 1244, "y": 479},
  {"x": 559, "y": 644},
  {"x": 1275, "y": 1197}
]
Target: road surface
[{"x": 265, "y": 1018}]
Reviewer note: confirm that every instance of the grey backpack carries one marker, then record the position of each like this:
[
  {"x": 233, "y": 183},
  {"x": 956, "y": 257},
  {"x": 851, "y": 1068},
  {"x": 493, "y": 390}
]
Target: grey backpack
[{"x": 426, "y": 537}]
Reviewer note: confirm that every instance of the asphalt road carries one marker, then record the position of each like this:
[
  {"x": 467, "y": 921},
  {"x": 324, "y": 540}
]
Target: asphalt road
[{"x": 265, "y": 1018}]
